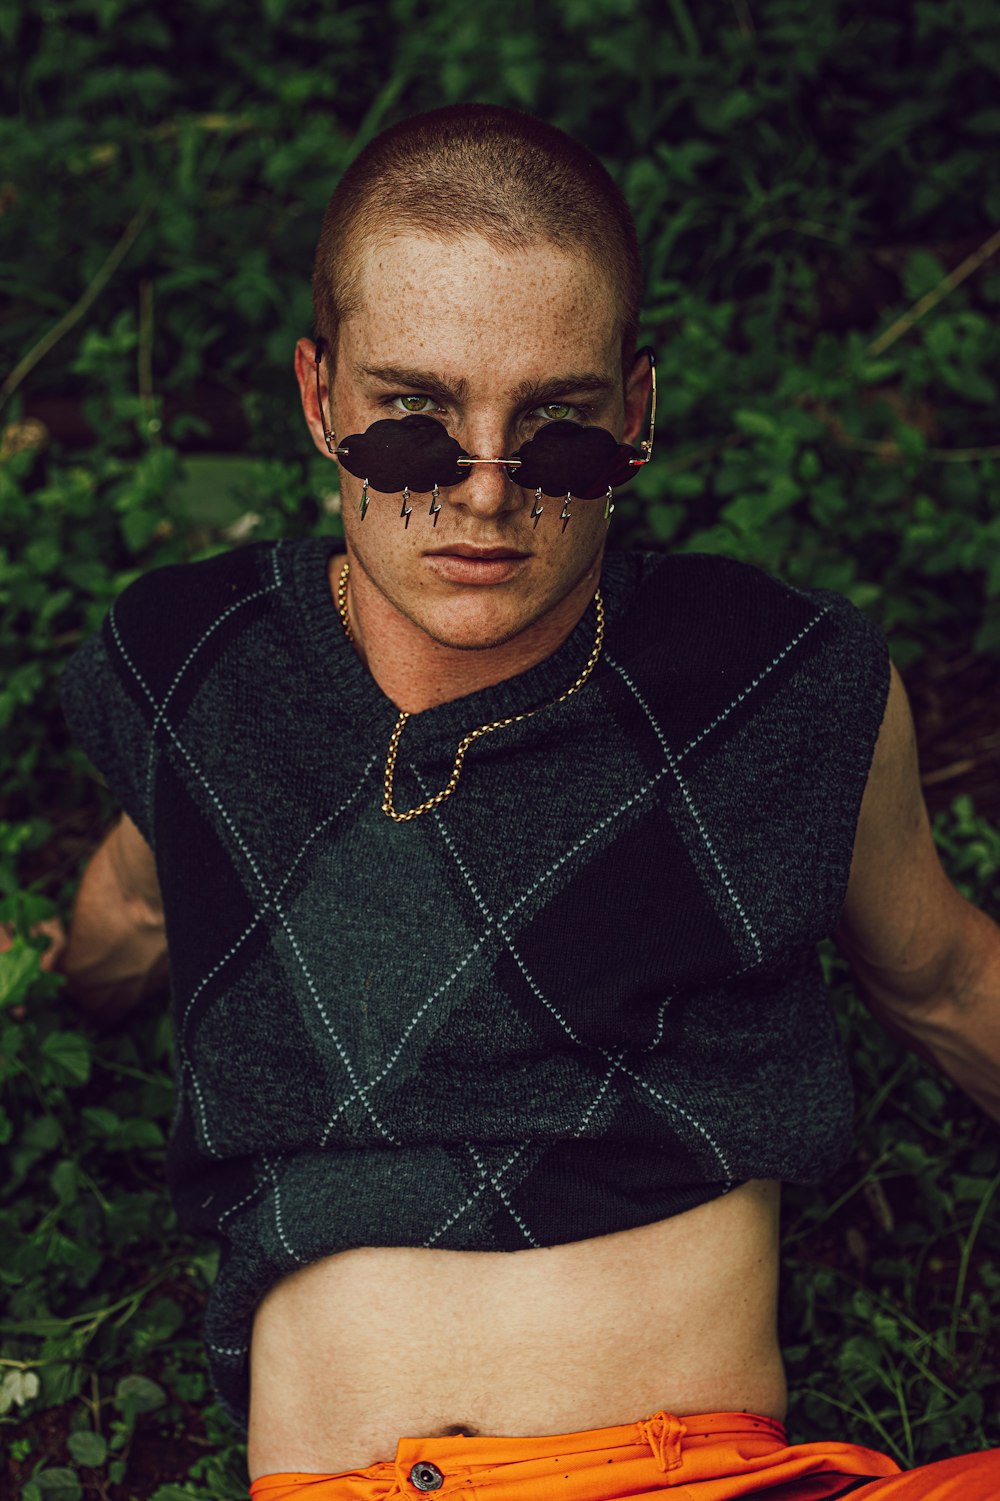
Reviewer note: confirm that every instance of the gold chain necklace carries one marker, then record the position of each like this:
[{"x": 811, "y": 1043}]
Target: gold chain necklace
[{"x": 484, "y": 729}]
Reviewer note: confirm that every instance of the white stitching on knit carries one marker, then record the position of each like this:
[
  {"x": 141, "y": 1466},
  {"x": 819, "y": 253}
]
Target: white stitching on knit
[
  {"x": 689, "y": 800},
  {"x": 210, "y": 1144},
  {"x": 475, "y": 1194},
  {"x": 263, "y": 885},
  {"x": 391, "y": 1062},
  {"x": 585, "y": 1118},
  {"x": 260, "y": 914},
  {"x": 501, "y": 928},
  {"x": 648, "y": 1047},
  {"x": 525, "y": 896},
  {"x": 302, "y": 1260},
  {"x": 258, "y": 1184},
  {"x": 181, "y": 1030},
  {"x": 670, "y": 1104},
  {"x": 754, "y": 683},
  {"x": 538, "y": 992},
  {"x": 161, "y": 708},
  {"x": 230, "y": 1351},
  {"x": 484, "y": 1172},
  {"x": 577, "y": 846}
]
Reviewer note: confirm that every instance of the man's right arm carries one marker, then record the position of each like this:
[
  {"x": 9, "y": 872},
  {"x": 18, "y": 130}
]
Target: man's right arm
[{"x": 116, "y": 953}]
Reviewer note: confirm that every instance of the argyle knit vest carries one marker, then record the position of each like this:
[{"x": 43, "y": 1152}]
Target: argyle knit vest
[{"x": 581, "y": 995}]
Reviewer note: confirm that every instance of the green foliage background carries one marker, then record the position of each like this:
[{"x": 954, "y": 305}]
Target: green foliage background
[{"x": 809, "y": 179}]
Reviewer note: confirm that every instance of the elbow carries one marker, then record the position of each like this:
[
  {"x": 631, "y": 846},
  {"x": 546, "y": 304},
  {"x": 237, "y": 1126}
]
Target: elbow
[{"x": 944, "y": 984}]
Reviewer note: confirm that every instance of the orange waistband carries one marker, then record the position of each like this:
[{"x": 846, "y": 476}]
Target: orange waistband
[{"x": 573, "y": 1466}]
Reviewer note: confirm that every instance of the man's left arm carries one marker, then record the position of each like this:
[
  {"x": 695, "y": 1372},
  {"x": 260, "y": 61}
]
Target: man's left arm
[{"x": 926, "y": 961}]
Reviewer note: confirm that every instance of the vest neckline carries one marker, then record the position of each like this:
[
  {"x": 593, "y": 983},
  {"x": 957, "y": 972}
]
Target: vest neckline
[{"x": 338, "y": 664}]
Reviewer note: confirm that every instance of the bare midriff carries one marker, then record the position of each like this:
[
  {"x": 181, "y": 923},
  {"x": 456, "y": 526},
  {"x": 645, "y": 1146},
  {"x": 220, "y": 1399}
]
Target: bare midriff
[{"x": 371, "y": 1345}]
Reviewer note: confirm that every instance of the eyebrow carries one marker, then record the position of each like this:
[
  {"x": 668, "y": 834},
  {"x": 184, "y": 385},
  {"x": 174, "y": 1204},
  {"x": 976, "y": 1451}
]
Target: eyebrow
[
  {"x": 424, "y": 380},
  {"x": 527, "y": 393}
]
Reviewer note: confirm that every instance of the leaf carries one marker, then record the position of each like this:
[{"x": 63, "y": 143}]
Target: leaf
[
  {"x": 17, "y": 1388},
  {"x": 984, "y": 122},
  {"x": 20, "y": 966},
  {"x": 65, "y": 1181},
  {"x": 104, "y": 1121},
  {"x": 139, "y": 1393},
  {"x": 922, "y": 274},
  {"x": 59, "y": 1485},
  {"x": 756, "y": 424},
  {"x": 68, "y": 1054},
  {"x": 90, "y": 1449}
]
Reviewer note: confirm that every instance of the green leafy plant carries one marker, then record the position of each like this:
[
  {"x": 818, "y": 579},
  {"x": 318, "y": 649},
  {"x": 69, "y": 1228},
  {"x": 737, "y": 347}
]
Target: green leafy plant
[{"x": 820, "y": 229}]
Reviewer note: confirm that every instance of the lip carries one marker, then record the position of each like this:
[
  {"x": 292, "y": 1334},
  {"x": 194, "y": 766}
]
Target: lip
[
  {"x": 486, "y": 566},
  {"x": 481, "y": 554}
]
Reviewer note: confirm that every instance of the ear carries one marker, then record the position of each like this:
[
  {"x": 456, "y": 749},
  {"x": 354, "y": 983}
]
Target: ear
[
  {"x": 305, "y": 374},
  {"x": 638, "y": 388}
]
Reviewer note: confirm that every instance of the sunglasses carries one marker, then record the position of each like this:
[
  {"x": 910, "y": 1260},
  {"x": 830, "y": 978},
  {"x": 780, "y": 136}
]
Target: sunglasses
[{"x": 418, "y": 453}]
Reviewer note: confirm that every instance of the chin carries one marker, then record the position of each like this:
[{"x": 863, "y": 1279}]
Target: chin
[{"x": 471, "y": 637}]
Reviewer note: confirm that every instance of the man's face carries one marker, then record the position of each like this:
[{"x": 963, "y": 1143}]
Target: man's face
[{"x": 493, "y": 345}]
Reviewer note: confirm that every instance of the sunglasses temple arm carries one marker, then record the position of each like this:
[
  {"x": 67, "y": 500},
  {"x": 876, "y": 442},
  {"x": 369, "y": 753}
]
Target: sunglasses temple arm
[
  {"x": 328, "y": 433},
  {"x": 647, "y": 443}
]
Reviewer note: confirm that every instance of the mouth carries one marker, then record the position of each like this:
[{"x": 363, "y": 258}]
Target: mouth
[{"x": 478, "y": 554}]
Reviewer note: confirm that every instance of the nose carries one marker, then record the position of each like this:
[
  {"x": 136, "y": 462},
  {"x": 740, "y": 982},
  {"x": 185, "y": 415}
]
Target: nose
[{"x": 488, "y": 491}]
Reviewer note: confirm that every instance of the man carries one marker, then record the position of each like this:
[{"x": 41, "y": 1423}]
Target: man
[{"x": 492, "y": 866}]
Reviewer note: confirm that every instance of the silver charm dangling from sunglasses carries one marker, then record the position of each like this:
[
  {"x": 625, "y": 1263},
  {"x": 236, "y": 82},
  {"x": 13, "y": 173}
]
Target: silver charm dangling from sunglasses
[
  {"x": 537, "y": 508},
  {"x": 407, "y": 510},
  {"x": 365, "y": 502},
  {"x": 435, "y": 504},
  {"x": 609, "y": 507},
  {"x": 564, "y": 515}
]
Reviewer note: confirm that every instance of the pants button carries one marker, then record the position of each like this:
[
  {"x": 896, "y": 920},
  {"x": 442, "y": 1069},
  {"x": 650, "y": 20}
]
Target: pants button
[{"x": 425, "y": 1476}]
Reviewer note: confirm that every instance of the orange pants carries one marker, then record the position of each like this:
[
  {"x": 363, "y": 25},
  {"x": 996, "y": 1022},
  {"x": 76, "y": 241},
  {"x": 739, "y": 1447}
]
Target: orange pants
[{"x": 714, "y": 1456}]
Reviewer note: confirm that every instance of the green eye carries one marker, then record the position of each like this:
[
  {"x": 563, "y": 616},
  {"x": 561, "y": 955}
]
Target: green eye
[
  {"x": 413, "y": 403},
  {"x": 555, "y": 411}
]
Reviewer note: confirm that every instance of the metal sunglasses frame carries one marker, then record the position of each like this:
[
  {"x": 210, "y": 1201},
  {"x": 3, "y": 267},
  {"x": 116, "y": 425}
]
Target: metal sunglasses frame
[{"x": 514, "y": 462}]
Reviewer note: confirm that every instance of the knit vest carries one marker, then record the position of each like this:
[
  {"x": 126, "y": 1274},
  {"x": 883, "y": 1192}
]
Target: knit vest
[{"x": 581, "y": 995}]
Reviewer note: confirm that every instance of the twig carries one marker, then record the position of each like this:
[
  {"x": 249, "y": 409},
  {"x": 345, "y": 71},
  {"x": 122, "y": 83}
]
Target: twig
[
  {"x": 89, "y": 295},
  {"x": 744, "y": 18},
  {"x": 686, "y": 28},
  {"x": 937, "y": 294},
  {"x": 144, "y": 360},
  {"x": 963, "y": 1267},
  {"x": 887, "y": 449},
  {"x": 947, "y": 773}
]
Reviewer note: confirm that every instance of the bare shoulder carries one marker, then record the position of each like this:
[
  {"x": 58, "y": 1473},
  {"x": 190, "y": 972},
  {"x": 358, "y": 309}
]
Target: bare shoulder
[{"x": 902, "y": 915}]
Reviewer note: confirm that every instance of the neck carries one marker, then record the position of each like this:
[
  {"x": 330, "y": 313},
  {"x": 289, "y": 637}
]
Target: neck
[{"x": 416, "y": 672}]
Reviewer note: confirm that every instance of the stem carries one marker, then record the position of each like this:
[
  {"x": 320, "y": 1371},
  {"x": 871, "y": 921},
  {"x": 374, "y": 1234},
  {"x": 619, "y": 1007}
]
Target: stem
[
  {"x": 83, "y": 303},
  {"x": 144, "y": 360},
  {"x": 963, "y": 1266},
  {"x": 937, "y": 294},
  {"x": 685, "y": 26}
]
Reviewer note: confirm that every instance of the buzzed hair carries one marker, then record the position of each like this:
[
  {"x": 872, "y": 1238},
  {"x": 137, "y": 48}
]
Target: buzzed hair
[{"x": 485, "y": 170}]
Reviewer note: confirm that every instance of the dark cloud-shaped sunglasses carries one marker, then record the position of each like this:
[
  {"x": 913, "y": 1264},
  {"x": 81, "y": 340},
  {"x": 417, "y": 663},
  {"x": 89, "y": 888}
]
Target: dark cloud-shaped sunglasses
[{"x": 418, "y": 454}]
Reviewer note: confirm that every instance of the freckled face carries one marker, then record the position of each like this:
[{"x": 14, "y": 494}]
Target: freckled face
[{"x": 508, "y": 338}]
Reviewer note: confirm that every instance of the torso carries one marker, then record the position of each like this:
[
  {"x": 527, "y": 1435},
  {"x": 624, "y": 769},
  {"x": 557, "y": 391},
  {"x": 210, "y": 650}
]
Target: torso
[{"x": 378, "y": 1343}]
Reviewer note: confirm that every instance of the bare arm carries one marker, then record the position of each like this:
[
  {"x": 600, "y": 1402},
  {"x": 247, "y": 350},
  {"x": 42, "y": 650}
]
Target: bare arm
[
  {"x": 926, "y": 961},
  {"x": 116, "y": 953}
]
